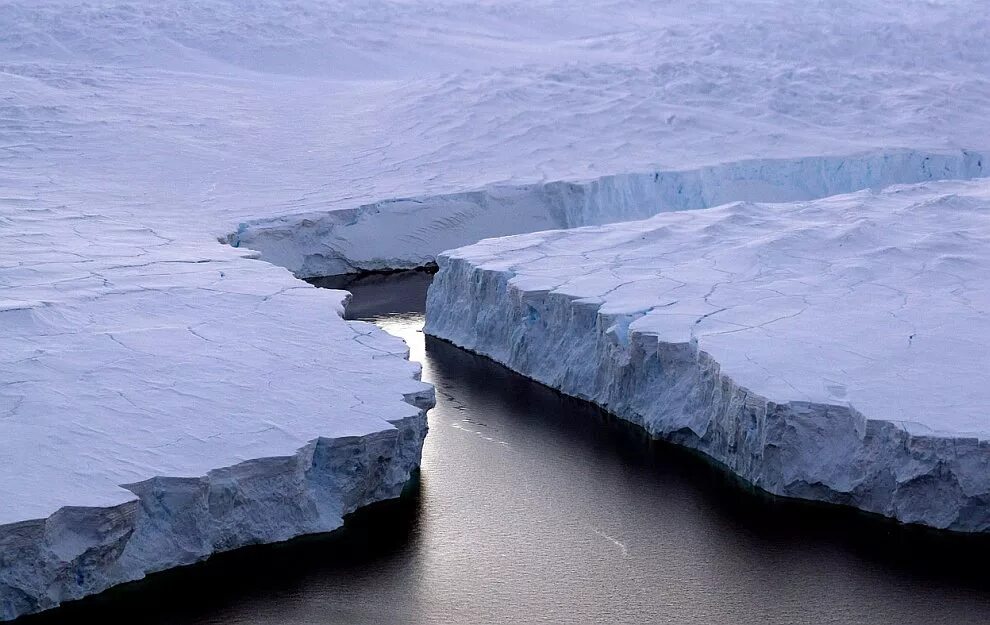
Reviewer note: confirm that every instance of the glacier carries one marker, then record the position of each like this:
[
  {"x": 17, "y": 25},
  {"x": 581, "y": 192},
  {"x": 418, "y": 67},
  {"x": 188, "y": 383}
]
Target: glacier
[
  {"x": 831, "y": 350},
  {"x": 167, "y": 391}
]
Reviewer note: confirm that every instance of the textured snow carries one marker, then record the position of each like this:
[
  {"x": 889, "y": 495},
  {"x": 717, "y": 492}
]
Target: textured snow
[
  {"x": 750, "y": 96},
  {"x": 302, "y": 108},
  {"x": 130, "y": 360},
  {"x": 833, "y": 349},
  {"x": 172, "y": 360}
]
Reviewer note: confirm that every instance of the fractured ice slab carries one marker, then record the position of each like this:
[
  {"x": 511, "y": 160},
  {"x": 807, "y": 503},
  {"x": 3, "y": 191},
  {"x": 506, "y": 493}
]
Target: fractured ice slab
[
  {"x": 408, "y": 233},
  {"x": 833, "y": 350},
  {"x": 161, "y": 401}
]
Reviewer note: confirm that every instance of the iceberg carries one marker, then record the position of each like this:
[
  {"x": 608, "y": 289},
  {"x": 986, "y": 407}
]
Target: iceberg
[
  {"x": 831, "y": 350},
  {"x": 161, "y": 401}
]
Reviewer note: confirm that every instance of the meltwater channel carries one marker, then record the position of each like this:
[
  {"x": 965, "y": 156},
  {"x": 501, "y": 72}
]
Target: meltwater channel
[{"x": 535, "y": 508}]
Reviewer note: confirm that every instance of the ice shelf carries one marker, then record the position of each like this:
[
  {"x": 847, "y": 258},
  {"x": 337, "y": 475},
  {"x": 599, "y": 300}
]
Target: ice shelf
[
  {"x": 832, "y": 350},
  {"x": 164, "y": 396},
  {"x": 408, "y": 233},
  {"x": 161, "y": 401}
]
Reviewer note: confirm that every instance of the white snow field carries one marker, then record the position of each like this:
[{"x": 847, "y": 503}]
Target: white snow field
[
  {"x": 146, "y": 369},
  {"x": 833, "y": 350},
  {"x": 299, "y": 127}
]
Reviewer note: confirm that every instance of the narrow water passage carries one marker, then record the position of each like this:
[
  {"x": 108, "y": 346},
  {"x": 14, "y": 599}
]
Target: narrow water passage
[{"x": 535, "y": 508}]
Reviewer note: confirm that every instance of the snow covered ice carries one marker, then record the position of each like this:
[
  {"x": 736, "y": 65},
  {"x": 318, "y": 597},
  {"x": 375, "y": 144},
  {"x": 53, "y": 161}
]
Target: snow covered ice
[
  {"x": 138, "y": 352},
  {"x": 162, "y": 401},
  {"x": 833, "y": 350},
  {"x": 417, "y": 229},
  {"x": 337, "y": 137}
]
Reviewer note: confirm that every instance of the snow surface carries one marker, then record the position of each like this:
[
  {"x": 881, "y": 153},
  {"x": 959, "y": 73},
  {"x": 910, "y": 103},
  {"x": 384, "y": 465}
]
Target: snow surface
[
  {"x": 833, "y": 349},
  {"x": 130, "y": 360},
  {"x": 300, "y": 108},
  {"x": 171, "y": 360},
  {"x": 135, "y": 134}
]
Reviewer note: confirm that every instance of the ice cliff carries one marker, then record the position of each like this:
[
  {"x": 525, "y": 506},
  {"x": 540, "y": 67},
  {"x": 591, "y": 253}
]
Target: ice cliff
[
  {"x": 409, "y": 233},
  {"x": 831, "y": 350}
]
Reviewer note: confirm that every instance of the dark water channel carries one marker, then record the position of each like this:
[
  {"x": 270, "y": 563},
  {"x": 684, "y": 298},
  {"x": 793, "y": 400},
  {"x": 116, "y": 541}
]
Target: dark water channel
[{"x": 534, "y": 508}]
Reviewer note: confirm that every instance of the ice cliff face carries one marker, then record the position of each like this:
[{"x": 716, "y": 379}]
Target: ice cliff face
[
  {"x": 830, "y": 350},
  {"x": 174, "y": 521},
  {"x": 408, "y": 233}
]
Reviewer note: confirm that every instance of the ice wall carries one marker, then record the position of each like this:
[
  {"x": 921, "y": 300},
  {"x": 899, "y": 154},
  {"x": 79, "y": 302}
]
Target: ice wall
[
  {"x": 174, "y": 521},
  {"x": 407, "y": 233}
]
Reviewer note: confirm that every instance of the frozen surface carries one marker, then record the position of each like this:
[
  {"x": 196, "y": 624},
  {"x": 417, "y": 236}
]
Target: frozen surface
[
  {"x": 161, "y": 400},
  {"x": 833, "y": 349},
  {"x": 298, "y": 109},
  {"x": 171, "y": 360},
  {"x": 408, "y": 233}
]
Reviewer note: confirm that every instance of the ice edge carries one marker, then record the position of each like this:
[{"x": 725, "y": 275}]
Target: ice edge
[
  {"x": 415, "y": 230},
  {"x": 175, "y": 521},
  {"x": 677, "y": 392}
]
